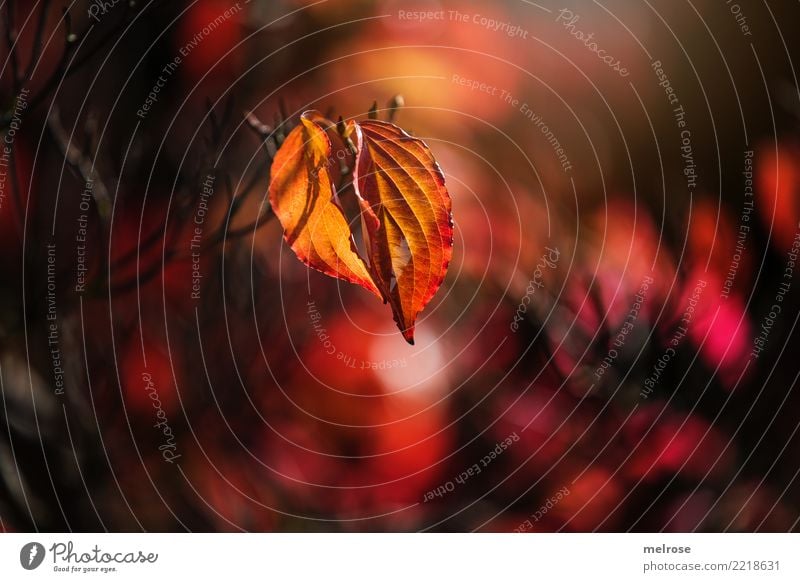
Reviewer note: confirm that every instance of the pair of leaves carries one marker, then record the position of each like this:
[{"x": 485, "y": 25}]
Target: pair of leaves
[{"x": 403, "y": 206}]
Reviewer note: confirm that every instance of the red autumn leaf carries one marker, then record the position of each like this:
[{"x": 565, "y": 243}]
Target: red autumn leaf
[
  {"x": 405, "y": 210},
  {"x": 407, "y": 217}
]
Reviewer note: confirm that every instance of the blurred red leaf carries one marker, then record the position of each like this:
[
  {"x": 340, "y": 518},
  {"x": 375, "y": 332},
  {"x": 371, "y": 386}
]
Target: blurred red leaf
[{"x": 778, "y": 178}]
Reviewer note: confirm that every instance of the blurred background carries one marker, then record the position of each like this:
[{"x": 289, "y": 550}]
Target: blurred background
[{"x": 613, "y": 348}]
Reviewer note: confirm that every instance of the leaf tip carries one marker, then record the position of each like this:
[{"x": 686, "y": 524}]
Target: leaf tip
[{"x": 408, "y": 333}]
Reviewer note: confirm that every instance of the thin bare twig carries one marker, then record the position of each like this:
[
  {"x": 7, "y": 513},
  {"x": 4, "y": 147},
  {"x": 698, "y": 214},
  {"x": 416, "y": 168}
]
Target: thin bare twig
[
  {"x": 82, "y": 163},
  {"x": 37, "y": 41}
]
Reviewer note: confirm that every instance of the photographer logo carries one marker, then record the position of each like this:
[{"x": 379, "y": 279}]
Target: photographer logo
[{"x": 31, "y": 555}]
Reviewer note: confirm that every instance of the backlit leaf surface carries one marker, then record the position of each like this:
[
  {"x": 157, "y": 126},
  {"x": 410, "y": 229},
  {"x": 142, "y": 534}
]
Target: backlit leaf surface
[{"x": 405, "y": 208}]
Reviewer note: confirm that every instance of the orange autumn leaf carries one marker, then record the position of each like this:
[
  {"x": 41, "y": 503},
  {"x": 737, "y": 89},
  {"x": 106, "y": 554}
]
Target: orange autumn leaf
[
  {"x": 407, "y": 216},
  {"x": 404, "y": 206},
  {"x": 302, "y": 196}
]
